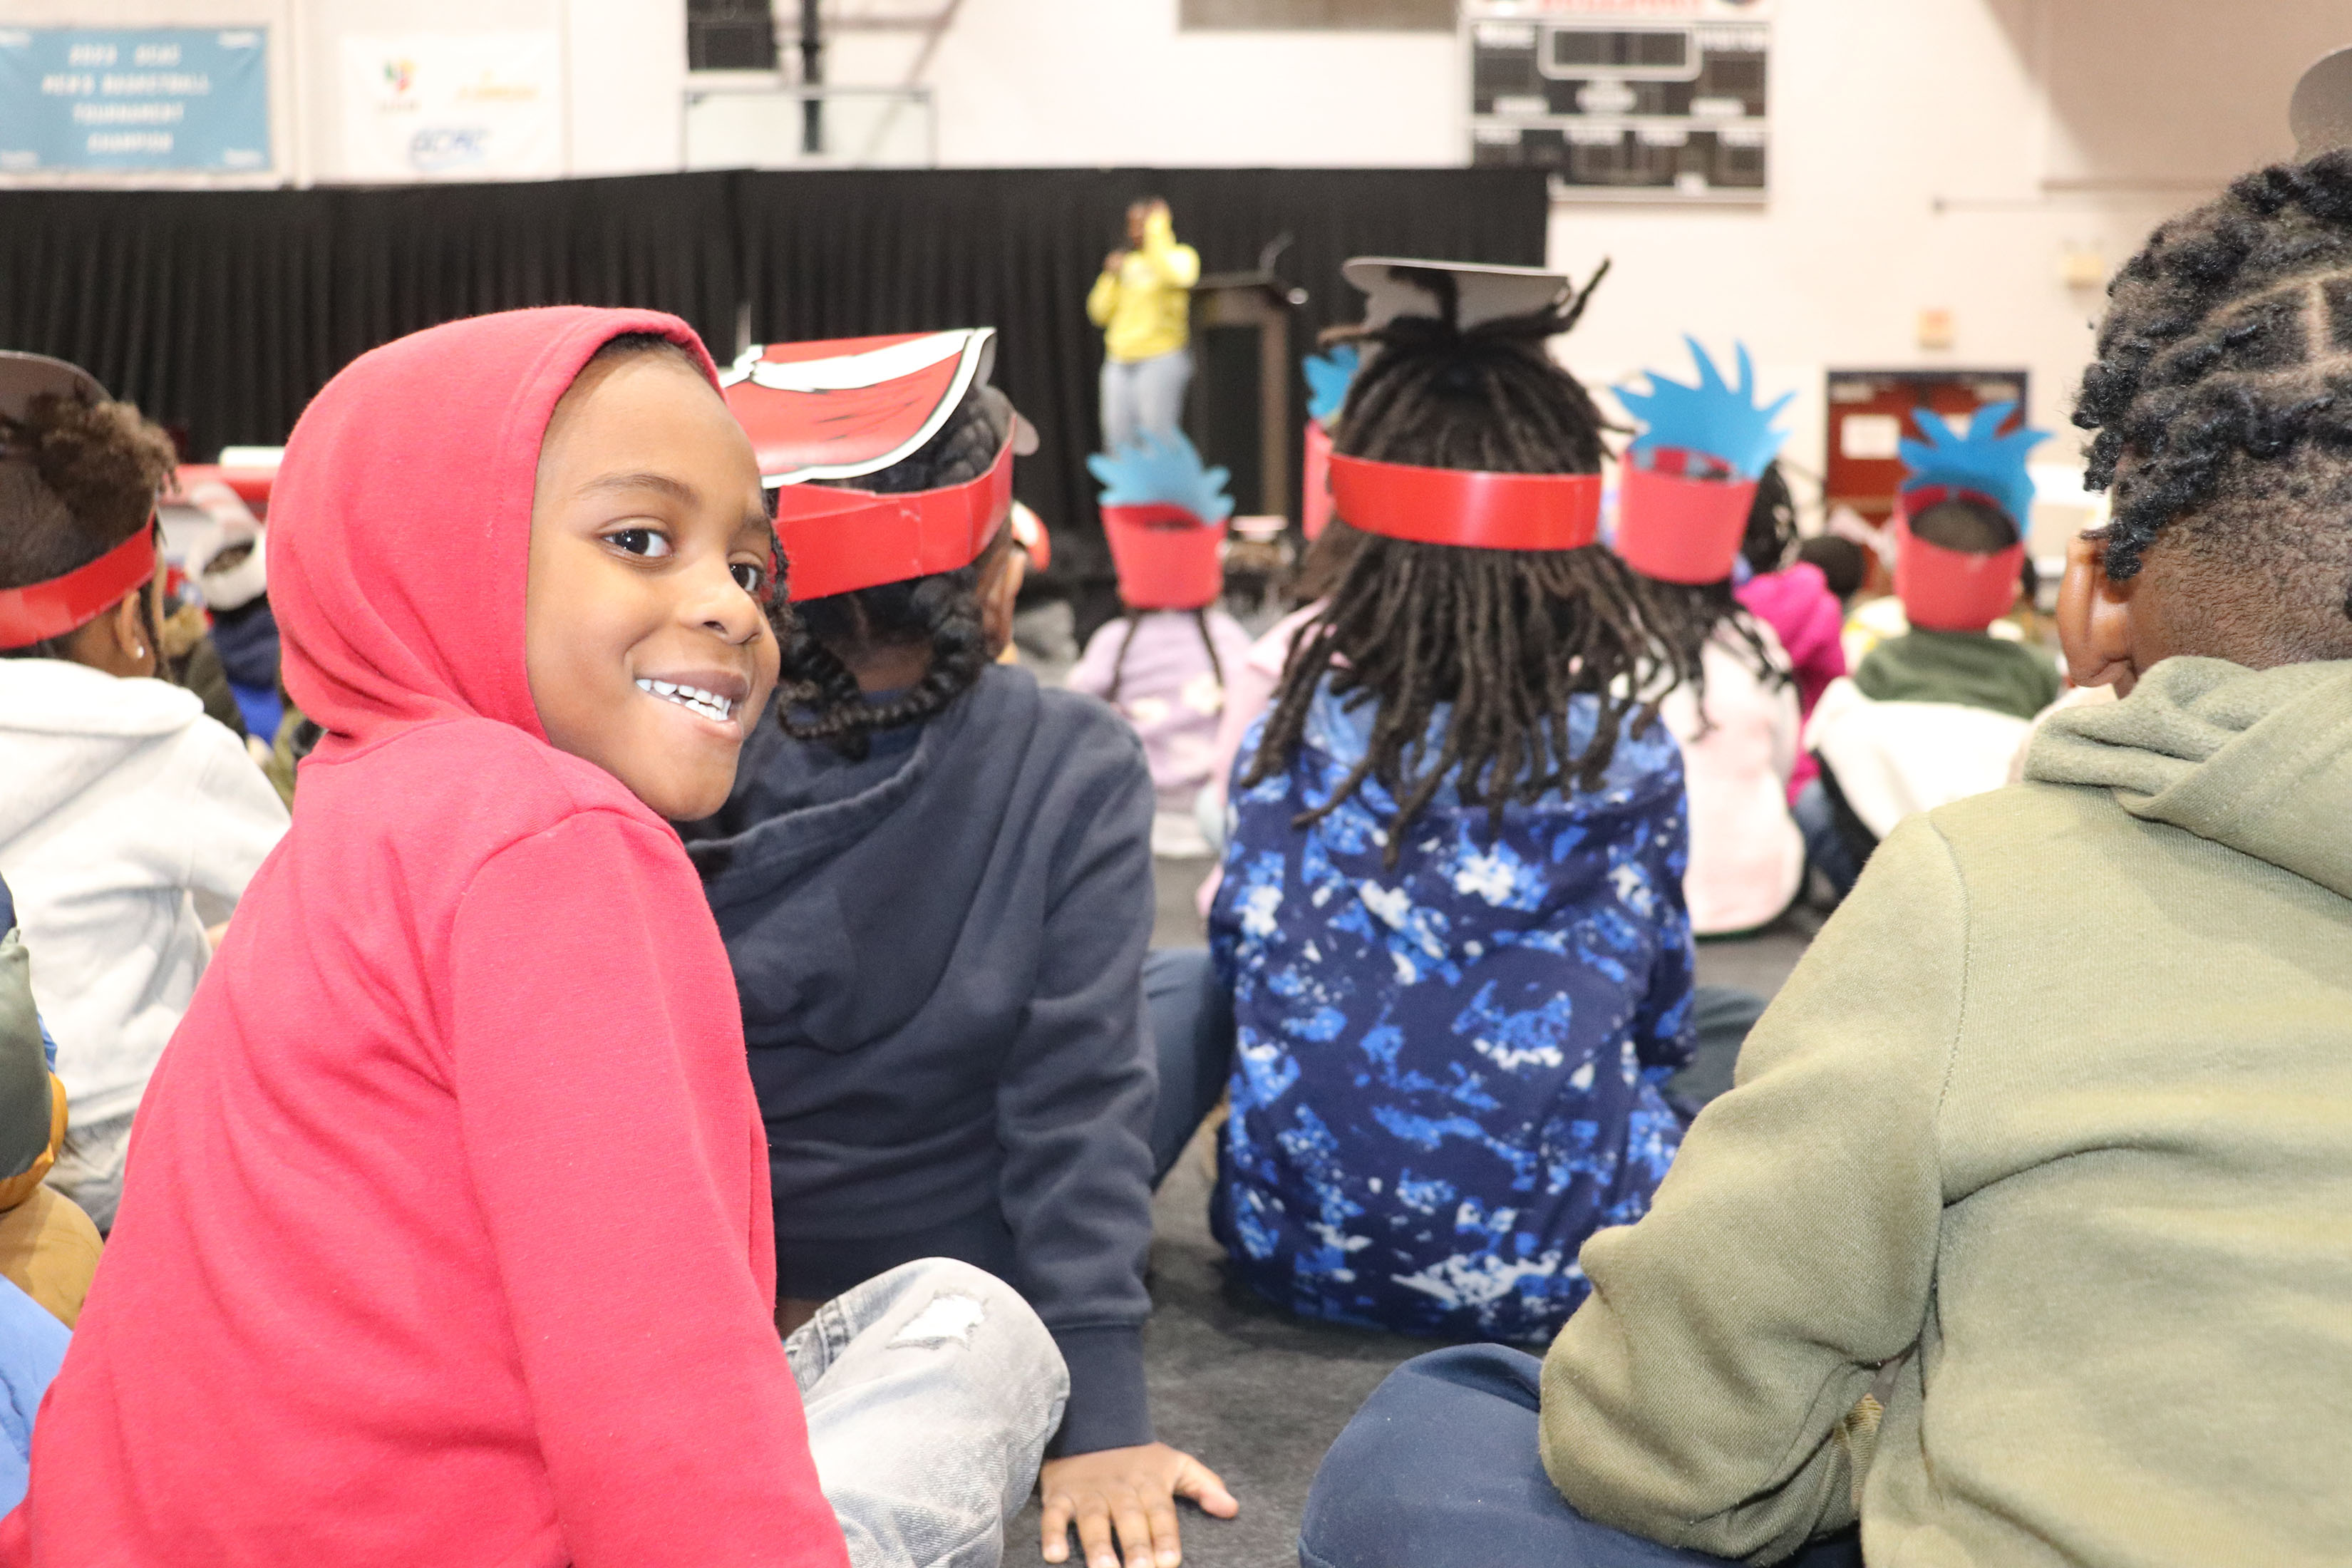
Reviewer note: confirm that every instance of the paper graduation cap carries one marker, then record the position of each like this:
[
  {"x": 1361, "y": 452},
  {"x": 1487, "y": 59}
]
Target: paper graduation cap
[
  {"x": 1164, "y": 515},
  {"x": 1952, "y": 590},
  {"x": 845, "y": 407},
  {"x": 1328, "y": 378},
  {"x": 1690, "y": 477},
  {"x": 1460, "y": 506},
  {"x": 39, "y": 611}
]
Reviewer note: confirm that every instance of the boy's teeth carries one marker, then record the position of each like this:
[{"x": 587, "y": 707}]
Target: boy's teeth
[{"x": 708, "y": 704}]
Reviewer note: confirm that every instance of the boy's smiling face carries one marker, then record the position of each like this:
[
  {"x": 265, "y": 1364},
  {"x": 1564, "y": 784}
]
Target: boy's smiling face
[{"x": 646, "y": 638}]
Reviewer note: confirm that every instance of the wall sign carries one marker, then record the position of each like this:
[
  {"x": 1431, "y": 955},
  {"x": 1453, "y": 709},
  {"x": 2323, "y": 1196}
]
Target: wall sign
[
  {"x": 135, "y": 99},
  {"x": 1624, "y": 99},
  {"x": 455, "y": 106}
]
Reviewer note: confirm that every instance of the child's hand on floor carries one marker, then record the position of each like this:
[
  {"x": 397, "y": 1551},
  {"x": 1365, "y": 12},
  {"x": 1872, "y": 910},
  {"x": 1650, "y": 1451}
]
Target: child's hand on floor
[{"x": 1133, "y": 1489}]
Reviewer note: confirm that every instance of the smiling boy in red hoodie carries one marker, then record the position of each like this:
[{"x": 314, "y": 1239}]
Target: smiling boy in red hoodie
[{"x": 446, "y": 1236}]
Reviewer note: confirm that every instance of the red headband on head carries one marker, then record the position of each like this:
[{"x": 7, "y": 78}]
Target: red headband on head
[
  {"x": 1946, "y": 590},
  {"x": 43, "y": 610},
  {"x": 1677, "y": 525},
  {"x": 837, "y": 540},
  {"x": 1468, "y": 507},
  {"x": 1166, "y": 557}
]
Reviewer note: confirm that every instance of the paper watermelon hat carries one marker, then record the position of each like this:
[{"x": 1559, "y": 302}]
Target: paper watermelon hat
[
  {"x": 1952, "y": 590},
  {"x": 1164, "y": 515},
  {"x": 38, "y": 611},
  {"x": 1689, "y": 479},
  {"x": 1470, "y": 508},
  {"x": 1327, "y": 378},
  {"x": 842, "y": 408}
]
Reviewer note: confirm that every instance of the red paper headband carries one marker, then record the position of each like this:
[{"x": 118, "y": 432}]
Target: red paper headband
[
  {"x": 1315, "y": 482},
  {"x": 1946, "y": 590},
  {"x": 1166, "y": 558},
  {"x": 43, "y": 610},
  {"x": 1466, "y": 507},
  {"x": 838, "y": 540},
  {"x": 1676, "y": 526}
]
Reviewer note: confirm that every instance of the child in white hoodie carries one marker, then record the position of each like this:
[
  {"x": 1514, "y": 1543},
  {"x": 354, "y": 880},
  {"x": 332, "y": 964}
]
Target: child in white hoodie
[{"x": 131, "y": 821}]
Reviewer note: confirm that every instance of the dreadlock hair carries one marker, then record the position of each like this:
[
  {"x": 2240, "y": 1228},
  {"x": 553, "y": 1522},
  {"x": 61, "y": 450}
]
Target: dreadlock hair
[
  {"x": 821, "y": 700},
  {"x": 76, "y": 480},
  {"x": 1508, "y": 639},
  {"x": 1134, "y": 620},
  {"x": 2221, "y": 399},
  {"x": 637, "y": 346},
  {"x": 1771, "y": 522}
]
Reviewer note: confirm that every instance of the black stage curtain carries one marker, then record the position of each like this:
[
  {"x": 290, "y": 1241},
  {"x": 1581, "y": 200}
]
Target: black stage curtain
[
  {"x": 221, "y": 312},
  {"x": 843, "y": 254}
]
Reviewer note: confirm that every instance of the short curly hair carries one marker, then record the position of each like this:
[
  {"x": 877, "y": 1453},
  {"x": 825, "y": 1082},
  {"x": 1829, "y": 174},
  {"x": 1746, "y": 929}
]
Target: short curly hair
[
  {"x": 75, "y": 479},
  {"x": 2221, "y": 406}
]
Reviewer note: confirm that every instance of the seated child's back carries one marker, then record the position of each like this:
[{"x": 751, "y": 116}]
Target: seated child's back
[
  {"x": 1451, "y": 912},
  {"x": 1972, "y": 669}
]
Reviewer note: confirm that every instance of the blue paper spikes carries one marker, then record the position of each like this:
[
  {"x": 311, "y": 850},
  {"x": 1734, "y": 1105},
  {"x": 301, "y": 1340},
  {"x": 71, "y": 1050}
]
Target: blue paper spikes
[
  {"x": 1165, "y": 469},
  {"x": 1327, "y": 375},
  {"x": 1979, "y": 460},
  {"x": 1722, "y": 421}
]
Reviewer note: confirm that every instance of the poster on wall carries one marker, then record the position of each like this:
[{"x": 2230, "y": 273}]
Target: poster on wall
[
  {"x": 457, "y": 106},
  {"x": 1624, "y": 99},
  {"x": 134, "y": 99}
]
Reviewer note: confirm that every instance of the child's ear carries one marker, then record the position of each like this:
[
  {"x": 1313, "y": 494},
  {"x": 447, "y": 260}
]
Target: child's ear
[{"x": 2095, "y": 619}]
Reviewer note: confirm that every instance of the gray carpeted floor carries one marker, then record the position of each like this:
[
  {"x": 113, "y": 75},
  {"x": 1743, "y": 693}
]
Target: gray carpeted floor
[{"x": 1254, "y": 1394}]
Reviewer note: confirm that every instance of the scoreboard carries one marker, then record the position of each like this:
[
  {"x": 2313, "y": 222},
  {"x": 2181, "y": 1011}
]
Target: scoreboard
[{"x": 1624, "y": 99}]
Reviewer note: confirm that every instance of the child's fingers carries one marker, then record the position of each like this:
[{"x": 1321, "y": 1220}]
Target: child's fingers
[
  {"x": 1134, "y": 1530},
  {"x": 1167, "y": 1540},
  {"x": 1094, "y": 1533},
  {"x": 1054, "y": 1528},
  {"x": 1205, "y": 1487}
]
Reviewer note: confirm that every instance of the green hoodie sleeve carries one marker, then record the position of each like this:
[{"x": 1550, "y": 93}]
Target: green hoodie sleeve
[{"x": 1696, "y": 1397}]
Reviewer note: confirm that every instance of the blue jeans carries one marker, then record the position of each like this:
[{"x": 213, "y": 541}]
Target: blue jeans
[
  {"x": 1144, "y": 396},
  {"x": 1440, "y": 1469},
  {"x": 930, "y": 1393},
  {"x": 1825, "y": 842},
  {"x": 1192, "y": 1021}
]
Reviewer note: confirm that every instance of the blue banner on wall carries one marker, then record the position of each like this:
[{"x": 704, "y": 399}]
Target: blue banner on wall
[{"x": 134, "y": 99}]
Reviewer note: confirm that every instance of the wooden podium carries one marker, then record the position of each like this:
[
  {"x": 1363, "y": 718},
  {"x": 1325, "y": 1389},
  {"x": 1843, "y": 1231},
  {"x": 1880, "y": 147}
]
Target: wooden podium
[{"x": 1239, "y": 411}]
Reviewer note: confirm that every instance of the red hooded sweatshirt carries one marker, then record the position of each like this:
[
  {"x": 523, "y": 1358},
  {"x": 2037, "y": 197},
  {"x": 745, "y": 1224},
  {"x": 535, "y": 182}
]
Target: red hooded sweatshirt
[{"x": 446, "y": 1236}]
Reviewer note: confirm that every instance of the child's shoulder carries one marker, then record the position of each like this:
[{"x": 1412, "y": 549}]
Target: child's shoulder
[{"x": 472, "y": 781}]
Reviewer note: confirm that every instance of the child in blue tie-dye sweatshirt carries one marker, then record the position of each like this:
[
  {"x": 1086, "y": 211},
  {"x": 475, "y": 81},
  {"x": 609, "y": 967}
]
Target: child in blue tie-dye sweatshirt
[{"x": 1452, "y": 914}]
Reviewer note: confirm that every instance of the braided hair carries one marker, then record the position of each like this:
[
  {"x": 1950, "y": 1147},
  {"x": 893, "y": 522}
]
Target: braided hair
[
  {"x": 2222, "y": 400},
  {"x": 821, "y": 699},
  {"x": 76, "y": 480},
  {"x": 1508, "y": 639}
]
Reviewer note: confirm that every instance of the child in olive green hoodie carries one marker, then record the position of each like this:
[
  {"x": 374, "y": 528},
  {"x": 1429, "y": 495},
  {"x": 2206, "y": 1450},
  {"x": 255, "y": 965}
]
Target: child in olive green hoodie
[{"x": 2026, "y": 1237}]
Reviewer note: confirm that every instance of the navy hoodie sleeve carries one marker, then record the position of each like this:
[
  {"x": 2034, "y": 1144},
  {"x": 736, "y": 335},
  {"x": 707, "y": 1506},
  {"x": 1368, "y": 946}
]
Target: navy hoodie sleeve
[{"x": 1074, "y": 1107}]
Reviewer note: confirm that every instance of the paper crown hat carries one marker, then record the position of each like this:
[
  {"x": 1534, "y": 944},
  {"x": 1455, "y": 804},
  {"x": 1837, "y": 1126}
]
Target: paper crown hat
[
  {"x": 1328, "y": 376},
  {"x": 1953, "y": 590},
  {"x": 1164, "y": 515},
  {"x": 1468, "y": 508},
  {"x": 38, "y": 611},
  {"x": 1689, "y": 479},
  {"x": 842, "y": 409}
]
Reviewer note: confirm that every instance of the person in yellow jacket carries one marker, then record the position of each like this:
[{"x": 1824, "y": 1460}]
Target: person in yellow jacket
[{"x": 1143, "y": 301}]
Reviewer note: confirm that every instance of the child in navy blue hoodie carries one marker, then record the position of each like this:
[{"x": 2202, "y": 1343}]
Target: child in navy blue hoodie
[{"x": 934, "y": 882}]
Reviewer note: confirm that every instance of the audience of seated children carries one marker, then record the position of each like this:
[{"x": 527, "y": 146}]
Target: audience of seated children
[
  {"x": 448, "y": 1238},
  {"x": 1164, "y": 663},
  {"x": 129, "y": 823},
  {"x": 48, "y": 1247},
  {"x": 2026, "y": 1221},
  {"x": 1789, "y": 589},
  {"x": 1686, "y": 493},
  {"x": 1935, "y": 714},
  {"x": 934, "y": 881},
  {"x": 1451, "y": 917}
]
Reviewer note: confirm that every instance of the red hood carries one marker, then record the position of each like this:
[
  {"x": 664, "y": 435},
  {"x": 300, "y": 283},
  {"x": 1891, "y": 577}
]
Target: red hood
[{"x": 400, "y": 523}]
